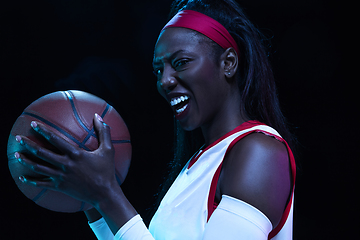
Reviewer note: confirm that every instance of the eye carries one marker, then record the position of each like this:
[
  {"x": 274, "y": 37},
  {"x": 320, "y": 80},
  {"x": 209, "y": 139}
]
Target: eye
[
  {"x": 180, "y": 63},
  {"x": 157, "y": 72}
]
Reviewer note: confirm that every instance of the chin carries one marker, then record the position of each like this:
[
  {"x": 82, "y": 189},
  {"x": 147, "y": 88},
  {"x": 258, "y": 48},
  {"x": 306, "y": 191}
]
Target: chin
[{"x": 186, "y": 126}]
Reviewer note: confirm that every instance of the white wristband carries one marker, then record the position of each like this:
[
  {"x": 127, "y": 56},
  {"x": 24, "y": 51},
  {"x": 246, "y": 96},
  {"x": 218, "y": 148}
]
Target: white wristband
[
  {"x": 134, "y": 229},
  {"x": 101, "y": 230}
]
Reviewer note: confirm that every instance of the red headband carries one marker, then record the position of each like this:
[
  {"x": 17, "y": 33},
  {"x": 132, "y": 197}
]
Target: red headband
[{"x": 203, "y": 24}]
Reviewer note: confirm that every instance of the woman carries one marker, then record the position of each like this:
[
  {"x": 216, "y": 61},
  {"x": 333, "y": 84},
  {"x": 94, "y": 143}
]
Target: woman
[{"x": 213, "y": 71}]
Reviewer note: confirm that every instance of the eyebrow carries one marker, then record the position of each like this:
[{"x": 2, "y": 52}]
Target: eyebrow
[{"x": 157, "y": 61}]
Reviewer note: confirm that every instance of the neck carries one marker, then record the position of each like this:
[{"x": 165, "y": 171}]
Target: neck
[{"x": 225, "y": 121}]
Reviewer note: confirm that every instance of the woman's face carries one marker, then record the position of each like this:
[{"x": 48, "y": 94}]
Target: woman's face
[{"x": 189, "y": 78}]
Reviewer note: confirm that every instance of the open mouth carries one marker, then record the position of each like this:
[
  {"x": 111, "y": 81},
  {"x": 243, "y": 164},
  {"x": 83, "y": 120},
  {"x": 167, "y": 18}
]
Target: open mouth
[{"x": 180, "y": 103}]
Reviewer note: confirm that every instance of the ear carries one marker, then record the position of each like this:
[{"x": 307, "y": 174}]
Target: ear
[{"x": 229, "y": 62}]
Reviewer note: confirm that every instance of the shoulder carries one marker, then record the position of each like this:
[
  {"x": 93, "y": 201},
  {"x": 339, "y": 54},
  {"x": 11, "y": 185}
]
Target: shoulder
[{"x": 256, "y": 170}]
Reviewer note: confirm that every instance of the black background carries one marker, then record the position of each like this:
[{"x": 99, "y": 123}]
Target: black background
[{"x": 105, "y": 47}]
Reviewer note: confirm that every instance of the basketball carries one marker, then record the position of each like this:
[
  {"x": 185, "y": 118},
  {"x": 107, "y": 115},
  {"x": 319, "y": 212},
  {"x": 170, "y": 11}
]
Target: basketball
[{"x": 70, "y": 114}]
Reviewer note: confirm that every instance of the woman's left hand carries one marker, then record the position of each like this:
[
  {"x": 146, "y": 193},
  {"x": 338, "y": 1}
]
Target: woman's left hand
[{"x": 84, "y": 175}]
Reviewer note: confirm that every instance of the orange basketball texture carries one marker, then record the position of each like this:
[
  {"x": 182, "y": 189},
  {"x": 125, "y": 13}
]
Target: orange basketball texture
[{"x": 70, "y": 114}]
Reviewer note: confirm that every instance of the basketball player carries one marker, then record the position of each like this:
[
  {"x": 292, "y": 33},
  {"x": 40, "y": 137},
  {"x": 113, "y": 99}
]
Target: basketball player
[{"x": 214, "y": 73}]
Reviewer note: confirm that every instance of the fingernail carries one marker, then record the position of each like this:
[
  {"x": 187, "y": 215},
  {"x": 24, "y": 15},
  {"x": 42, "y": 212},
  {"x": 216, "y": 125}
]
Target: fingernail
[
  {"x": 22, "y": 179},
  {"x": 33, "y": 125},
  {"x": 19, "y": 140},
  {"x": 17, "y": 156},
  {"x": 99, "y": 117}
]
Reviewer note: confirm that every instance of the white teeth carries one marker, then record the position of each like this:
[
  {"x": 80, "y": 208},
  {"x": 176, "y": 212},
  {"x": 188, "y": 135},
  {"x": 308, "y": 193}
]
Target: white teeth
[
  {"x": 178, "y": 100},
  {"x": 180, "y": 110}
]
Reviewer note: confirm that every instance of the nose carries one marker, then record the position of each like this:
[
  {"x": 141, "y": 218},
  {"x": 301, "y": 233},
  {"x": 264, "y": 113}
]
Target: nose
[{"x": 167, "y": 82}]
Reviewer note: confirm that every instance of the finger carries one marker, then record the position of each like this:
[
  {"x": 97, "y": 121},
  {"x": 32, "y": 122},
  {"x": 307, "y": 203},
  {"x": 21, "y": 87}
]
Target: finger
[
  {"x": 38, "y": 151},
  {"x": 44, "y": 183},
  {"x": 55, "y": 139},
  {"x": 103, "y": 131},
  {"x": 36, "y": 167}
]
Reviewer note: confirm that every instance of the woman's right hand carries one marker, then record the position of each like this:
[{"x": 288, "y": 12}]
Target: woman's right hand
[
  {"x": 88, "y": 176},
  {"x": 84, "y": 175}
]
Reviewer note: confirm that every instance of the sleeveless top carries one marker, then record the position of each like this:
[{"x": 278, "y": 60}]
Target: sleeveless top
[{"x": 190, "y": 201}]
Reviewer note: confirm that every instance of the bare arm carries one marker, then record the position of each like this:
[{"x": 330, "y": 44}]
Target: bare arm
[
  {"x": 92, "y": 215},
  {"x": 257, "y": 171}
]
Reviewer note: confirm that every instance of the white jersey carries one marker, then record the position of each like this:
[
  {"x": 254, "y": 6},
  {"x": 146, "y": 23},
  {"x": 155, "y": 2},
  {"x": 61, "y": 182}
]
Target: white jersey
[
  {"x": 187, "y": 206},
  {"x": 187, "y": 210}
]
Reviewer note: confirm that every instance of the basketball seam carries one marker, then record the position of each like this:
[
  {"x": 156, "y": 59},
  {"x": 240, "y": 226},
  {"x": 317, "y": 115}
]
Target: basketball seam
[
  {"x": 71, "y": 97},
  {"x": 81, "y": 144},
  {"x": 91, "y": 132},
  {"x": 58, "y": 129},
  {"x": 39, "y": 195},
  {"x": 82, "y": 206}
]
